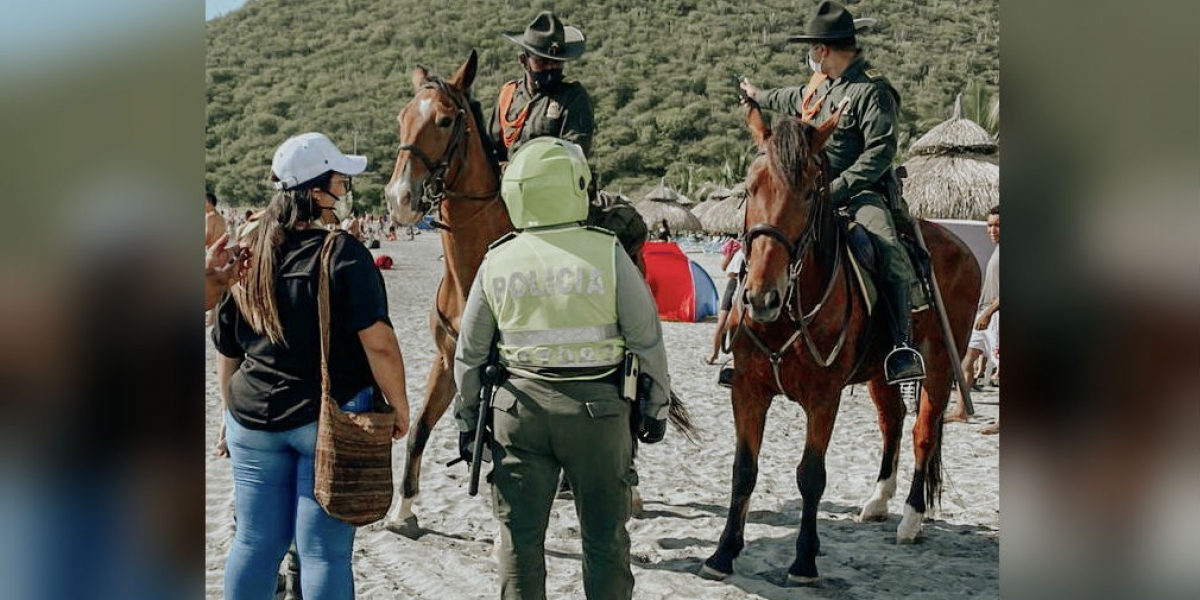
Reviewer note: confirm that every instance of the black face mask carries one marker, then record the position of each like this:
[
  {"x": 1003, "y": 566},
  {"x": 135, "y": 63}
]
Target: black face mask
[{"x": 546, "y": 81}]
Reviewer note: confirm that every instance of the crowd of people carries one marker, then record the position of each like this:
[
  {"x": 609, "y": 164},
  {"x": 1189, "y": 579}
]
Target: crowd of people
[{"x": 561, "y": 406}]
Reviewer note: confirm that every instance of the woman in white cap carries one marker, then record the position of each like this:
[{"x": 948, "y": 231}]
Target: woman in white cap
[{"x": 269, "y": 373}]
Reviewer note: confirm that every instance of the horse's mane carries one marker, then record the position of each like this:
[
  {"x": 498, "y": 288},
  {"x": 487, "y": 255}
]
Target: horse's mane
[{"x": 788, "y": 152}]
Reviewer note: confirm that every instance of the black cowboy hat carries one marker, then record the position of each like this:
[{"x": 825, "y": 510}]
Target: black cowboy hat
[
  {"x": 548, "y": 38},
  {"x": 832, "y": 22}
]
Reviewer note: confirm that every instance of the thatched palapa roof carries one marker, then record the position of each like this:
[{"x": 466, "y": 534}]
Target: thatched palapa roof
[
  {"x": 664, "y": 203},
  {"x": 726, "y": 216},
  {"x": 714, "y": 197},
  {"x": 954, "y": 171}
]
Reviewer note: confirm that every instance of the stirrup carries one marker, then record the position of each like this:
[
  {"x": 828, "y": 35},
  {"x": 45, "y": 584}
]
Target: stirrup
[
  {"x": 725, "y": 376},
  {"x": 903, "y": 364}
]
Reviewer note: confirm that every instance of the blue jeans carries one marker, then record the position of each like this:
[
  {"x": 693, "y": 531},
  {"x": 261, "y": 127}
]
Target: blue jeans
[{"x": 273, "y": 481}]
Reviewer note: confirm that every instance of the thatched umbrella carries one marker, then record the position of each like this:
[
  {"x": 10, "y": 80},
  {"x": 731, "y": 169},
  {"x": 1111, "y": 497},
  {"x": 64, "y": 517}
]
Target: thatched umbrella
[
  {"x": 727, "y": 216},
  {"x": 663, "y": 193},
  {"x": 714, "y": 197},
  {"x": 954, "y": 171},
  {"x": 679, "y": 218}
]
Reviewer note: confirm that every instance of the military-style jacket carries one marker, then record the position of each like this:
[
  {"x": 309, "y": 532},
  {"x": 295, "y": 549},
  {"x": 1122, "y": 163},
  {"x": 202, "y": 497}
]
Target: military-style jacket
[
  {"x": 861, "y": 150},
  {"x": 566, "y": 114}
]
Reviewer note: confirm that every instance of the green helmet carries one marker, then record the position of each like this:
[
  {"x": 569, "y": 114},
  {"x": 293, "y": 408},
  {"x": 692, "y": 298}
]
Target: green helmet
[{"x": 546, "y": 184}]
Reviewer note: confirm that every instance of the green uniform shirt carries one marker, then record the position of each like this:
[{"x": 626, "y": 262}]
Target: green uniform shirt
[
  {"x": 862, "y": 148},
  {"x": 565, "y": 114},
  {"x": 637, "y": 321}
]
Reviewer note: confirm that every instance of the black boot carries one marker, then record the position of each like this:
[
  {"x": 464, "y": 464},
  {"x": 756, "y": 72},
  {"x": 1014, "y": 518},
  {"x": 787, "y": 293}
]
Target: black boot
[{"x": 903, "y": 363}]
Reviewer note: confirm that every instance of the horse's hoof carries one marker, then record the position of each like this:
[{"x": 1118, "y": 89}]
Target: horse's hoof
[
  {"x": 800, "y": 581},
  {"x": 874, "y": 512},
  {"x": 910, "y": 526},
  {"x": 407, "y": 528},
  {"x": 711, "y": 574}
]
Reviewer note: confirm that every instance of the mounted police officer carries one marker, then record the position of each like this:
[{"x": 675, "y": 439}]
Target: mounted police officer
[
  {"x": 846, "y": 87},
  {"x": 542, "y": 102},
  {"x": 559, "y": 305}
]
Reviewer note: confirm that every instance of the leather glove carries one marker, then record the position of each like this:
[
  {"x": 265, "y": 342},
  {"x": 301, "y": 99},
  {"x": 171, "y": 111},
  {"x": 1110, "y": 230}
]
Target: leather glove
[{"x": 652, "y": 431}]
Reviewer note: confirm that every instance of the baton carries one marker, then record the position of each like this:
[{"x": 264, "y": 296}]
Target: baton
[
  {"x": 491, "y": 374},
  {"x": 944, "y": 322}
]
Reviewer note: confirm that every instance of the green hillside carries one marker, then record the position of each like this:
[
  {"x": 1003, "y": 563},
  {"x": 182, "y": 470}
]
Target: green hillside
[{"x": 658, "y": 71}]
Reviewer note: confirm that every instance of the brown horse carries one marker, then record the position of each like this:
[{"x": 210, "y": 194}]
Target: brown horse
[
  {"x": 803, "y": 330},
  {"x": 444, "y": 164}
]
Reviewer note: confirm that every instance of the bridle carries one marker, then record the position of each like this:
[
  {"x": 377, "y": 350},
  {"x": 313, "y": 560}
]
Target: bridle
[
  {"x": 439, "y": 184},
  {"x": 798, "y": 250}
]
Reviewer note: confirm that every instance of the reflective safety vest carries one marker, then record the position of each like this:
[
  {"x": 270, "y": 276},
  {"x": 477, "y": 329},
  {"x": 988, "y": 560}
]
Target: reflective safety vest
[{"x": 553, "y": 293}]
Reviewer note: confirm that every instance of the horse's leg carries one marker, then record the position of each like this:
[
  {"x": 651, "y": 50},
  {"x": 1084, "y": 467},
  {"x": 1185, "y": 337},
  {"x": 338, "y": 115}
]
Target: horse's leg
[
  {"x": 749, "y": 418},
  {"x": 440, "y": 392},
  {"x": 891, "y": 426},
  {"x": 927, "y": 452},
  {"x": 810, "y": 478}
]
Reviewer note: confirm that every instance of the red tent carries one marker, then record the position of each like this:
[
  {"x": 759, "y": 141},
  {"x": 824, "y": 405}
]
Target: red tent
[{"x": 682, "y": 289}]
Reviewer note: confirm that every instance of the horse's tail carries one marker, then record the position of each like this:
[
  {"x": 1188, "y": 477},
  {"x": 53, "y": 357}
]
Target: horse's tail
[
  {"x": 933, "y": 471},
  {"x": 681, "y": 419}
]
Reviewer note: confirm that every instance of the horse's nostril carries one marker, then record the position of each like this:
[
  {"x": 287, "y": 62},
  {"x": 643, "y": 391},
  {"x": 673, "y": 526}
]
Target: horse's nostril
[{"x": 772, "y": 300}]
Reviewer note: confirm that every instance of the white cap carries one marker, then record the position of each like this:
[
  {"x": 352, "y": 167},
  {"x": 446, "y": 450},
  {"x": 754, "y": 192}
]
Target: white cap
[{"x": 307, "y": 156}]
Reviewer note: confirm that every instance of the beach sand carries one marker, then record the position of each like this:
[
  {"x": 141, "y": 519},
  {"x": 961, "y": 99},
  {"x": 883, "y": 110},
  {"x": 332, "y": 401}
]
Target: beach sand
[{"x": 685, "y": 487}]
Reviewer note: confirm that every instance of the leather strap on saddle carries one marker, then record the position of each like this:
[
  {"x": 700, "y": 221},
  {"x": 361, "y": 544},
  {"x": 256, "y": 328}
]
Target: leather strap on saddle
[{"x": 510, "y": 130}]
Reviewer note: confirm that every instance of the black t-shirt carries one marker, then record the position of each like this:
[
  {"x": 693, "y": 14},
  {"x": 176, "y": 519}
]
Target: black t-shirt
[{"x": 278, "y": 387}]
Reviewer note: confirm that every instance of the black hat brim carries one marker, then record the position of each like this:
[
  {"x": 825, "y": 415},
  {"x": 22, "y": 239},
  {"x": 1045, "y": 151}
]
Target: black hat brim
[
  {"x": 573, "y": 45},
  {"x": 860, "y": 26}
]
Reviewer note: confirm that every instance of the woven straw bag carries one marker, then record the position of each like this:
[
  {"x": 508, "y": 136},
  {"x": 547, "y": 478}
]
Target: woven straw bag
[{"x": 353, "y": 479}]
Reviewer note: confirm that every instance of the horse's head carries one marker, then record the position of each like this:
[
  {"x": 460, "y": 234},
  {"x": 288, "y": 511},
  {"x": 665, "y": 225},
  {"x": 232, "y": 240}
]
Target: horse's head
[
  {"x": 433, "y": 126},
  {"x": 781, "y": 186}
]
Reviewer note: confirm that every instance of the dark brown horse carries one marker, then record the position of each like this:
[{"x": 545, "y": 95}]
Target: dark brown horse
[
  {"x": 443, "y": 165},
  {"x": 804, "y": 331}
]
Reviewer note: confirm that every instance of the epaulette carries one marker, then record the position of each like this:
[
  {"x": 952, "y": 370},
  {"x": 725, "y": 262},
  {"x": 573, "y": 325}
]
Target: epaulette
[
  {"x": 508, "y": 237},
  {"x": 873, "y": 74}
]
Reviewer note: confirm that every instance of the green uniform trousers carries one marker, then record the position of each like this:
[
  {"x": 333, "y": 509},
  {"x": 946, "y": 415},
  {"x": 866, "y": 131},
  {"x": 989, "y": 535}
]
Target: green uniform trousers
[
  {"x": 582, "y": 429},
  {"x": 869, "y": 210}
]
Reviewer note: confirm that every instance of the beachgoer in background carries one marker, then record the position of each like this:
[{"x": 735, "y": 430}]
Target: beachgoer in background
[
  {"x": 214, "y": 223},
  {"x": 985, "y": 336},
  {"x": 269, "y": 376},
  {"x": 732, "y": 266}
]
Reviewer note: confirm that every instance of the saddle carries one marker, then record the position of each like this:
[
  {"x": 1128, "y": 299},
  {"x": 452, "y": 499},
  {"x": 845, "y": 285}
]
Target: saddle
[{"x": 865, "y": 257}]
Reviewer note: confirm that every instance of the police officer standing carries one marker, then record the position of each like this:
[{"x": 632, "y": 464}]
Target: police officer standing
[
  {"x": 541, "y": 102},
  {"x": 559, "y": 305},
  {"x": 846, "y": 87}
]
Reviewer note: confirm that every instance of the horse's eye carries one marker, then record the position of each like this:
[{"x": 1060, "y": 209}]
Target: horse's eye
[{"x": 444, "y": 122}]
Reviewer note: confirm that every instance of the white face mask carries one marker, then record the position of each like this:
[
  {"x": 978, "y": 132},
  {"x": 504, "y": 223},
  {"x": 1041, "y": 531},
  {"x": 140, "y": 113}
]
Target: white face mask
[{"x": 812, "y": 64}]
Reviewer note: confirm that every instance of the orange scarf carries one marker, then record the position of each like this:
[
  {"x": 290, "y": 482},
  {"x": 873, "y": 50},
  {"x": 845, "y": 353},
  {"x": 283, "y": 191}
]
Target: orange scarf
[
  {"x": 808, "y": 108},
  {"x": 510, "y": 130}
]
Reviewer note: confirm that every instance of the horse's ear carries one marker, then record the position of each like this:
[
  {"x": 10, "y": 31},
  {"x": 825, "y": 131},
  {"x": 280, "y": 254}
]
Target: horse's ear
[
  {"x": 419, "y": 77},
  {"x": 817, "y": 136},
  {"x": 758, "y": 126},
  {"x": 466, "y": 73}
]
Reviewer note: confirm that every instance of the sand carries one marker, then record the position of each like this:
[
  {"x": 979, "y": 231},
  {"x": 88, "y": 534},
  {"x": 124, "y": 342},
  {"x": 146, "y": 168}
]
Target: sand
[{"x": 686, "y": 490}]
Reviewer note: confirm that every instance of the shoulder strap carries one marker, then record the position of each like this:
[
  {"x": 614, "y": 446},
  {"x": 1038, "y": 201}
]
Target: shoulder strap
[
  {"x": 808, "y": 108},
  {"x": 510, "y": 130},
  {"x": 323, "y": 302}
]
